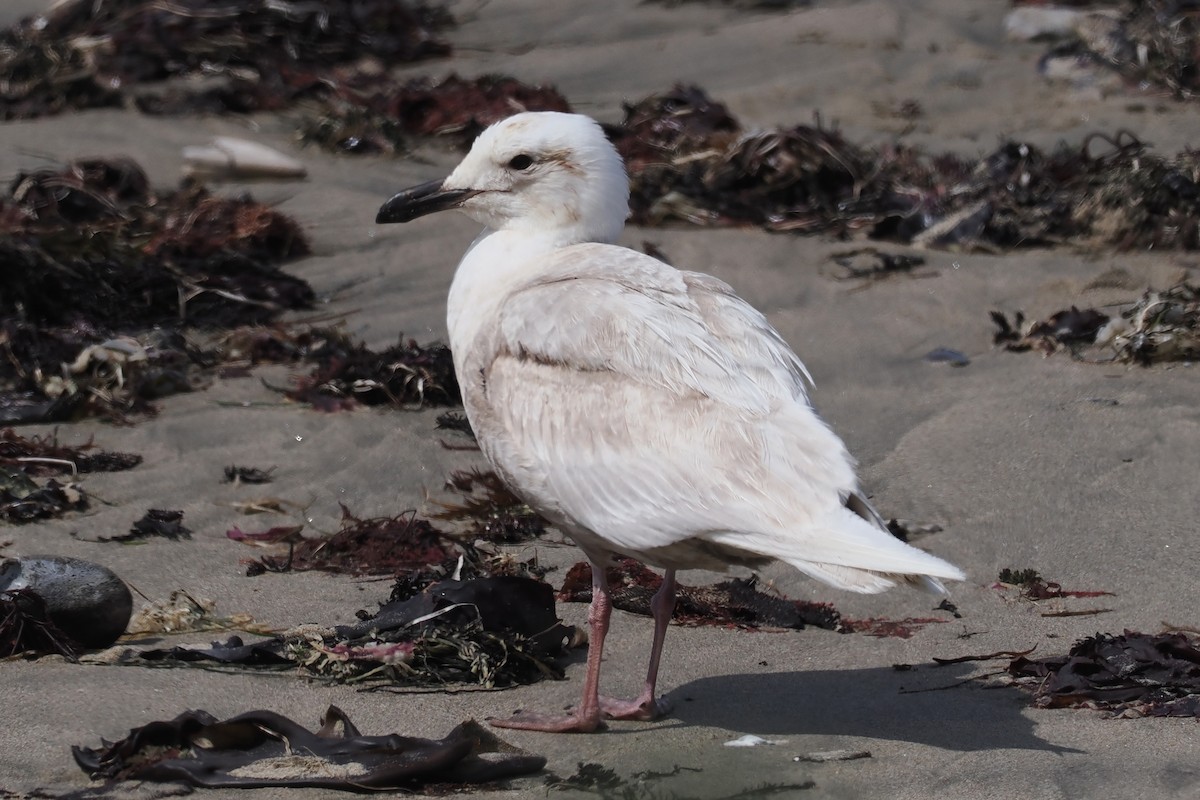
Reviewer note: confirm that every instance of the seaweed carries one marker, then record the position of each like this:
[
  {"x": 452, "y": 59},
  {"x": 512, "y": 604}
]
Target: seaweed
[
  {"x": 493, "y": 511},
  {"x": 690, "y": 160},
  {"x": 263, "y": 748},
  {"x": 26, "y": 627},
  {"x": 375, "y": 546},
  {"x": 155, "y": 523},
  {"x": 1161, "y": 326},
  {"x": 24, "y": 500},
  {"x": 105, "y": 276},
  {"x": 1034, "y": 587},
  {"x": 888, "y": 628},
  {"x": 44, "y": 455},
  {"x": 1130, "y": 675},
  {"x": 84, "y": 54},
  {"x": 406, "y": 375}
]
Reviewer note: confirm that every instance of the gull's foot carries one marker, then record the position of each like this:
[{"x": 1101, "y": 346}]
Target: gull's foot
[
  {"x": 549, "y": 723},
  {"x": 642, "y": 708}
]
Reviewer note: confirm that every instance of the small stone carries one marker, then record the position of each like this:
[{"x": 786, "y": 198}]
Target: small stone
[{"x": 944, "y": 355}]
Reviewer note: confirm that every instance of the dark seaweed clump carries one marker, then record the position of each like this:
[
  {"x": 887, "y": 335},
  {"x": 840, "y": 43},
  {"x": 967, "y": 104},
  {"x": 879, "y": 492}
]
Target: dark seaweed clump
[
  {"x": 330, "y": 60},
  {"x": 45, "y": 455},
  {"x": 1131, "y": 675},
  {"x": 262, "y": 54},
  {"x": 367, "y": 112},
  {"x": 26, "y": 627},
  {"x": 105, "y": 275},
  {"x": 260, "y": 749},
  {"x": 23, "y": 499},
  {"x": 349, "y": 374},
  {"x": 23, "y": 461},
  {"x": 689, "y": 159}
]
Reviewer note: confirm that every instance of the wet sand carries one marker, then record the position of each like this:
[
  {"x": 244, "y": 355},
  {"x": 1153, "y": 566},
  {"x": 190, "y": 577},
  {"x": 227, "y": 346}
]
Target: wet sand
[{"x": 1012, "y": 454}]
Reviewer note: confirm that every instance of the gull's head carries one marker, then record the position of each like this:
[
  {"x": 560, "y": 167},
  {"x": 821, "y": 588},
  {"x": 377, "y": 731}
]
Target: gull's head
[{"x": 546, "y": 172}]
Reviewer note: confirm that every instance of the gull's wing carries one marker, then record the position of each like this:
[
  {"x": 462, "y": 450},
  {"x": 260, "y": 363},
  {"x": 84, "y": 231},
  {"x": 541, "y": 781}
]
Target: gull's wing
[{"x": 661, "y": 412}]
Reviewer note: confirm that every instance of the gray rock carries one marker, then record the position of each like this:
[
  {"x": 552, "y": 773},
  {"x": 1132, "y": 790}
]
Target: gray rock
[{"x": 86, "y": 601}]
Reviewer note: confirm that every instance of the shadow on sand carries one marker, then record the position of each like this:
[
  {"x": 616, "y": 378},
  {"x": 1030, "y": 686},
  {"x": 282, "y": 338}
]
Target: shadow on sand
[{"x": 865, "y": 702}]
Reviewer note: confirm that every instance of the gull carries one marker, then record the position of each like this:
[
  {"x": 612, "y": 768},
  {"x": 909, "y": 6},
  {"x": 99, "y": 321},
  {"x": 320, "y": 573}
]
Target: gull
[{"x": 645, "y": 411}]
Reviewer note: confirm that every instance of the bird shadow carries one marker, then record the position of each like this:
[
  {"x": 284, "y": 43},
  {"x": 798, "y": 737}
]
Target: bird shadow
[{"x": 911, "y": 706}]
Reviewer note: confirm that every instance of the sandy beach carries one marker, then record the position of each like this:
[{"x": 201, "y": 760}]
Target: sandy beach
[{"x": 1084, "y": 472}]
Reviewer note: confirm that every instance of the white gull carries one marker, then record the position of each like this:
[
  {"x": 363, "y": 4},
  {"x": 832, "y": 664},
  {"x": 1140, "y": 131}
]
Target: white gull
[{"x": 645, "y": 411}]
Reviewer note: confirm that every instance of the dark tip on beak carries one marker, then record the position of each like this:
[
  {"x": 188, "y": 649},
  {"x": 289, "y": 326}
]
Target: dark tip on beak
[{"x": 421, "y": 200}]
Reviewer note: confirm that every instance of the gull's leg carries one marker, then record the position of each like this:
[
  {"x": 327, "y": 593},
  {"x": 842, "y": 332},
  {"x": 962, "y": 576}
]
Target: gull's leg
[
  {"x": 647, "y": 706},
  {"x": 586, "y": 717}
]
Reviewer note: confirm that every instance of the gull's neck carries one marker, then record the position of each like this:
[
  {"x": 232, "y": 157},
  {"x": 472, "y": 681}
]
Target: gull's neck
[{"x": 495, "y": 262}]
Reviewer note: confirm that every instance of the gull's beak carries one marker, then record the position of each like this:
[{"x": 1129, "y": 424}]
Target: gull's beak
[{"x": 421, "y": 200}]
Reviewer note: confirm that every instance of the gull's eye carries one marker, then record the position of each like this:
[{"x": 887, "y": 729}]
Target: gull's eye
[{"x": 521, "y": 162}]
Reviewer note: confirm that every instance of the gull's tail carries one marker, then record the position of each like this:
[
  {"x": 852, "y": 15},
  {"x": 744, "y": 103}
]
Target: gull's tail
[{"x": 850, "y": 548}]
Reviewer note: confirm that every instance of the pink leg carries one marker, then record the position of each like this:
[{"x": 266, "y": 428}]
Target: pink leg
[
  {"x": 647, "y": 706},
  {"x": 586, "y": 717}
]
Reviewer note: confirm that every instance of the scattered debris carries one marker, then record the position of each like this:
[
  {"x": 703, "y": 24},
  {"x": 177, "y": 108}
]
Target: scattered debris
[
  {"x": 183, "y": 613},
  {"x": 601, "y": 781},
  {"x": 1150, "y": 44},
  {"x": 231, "y": 159},
  {"x": 888, "y": 628},
  {"x": 262, "y": 748},
  {"x": 1159, "y": 327},
  {"x": 736, "y": 602},
  {"x": 588, "y": 776},
  {"x": 23, "y": 500},
  {"x": 1034, "y": 587},
  {"x": 825, "y": 756},
  {"x": 253, "y": 475},
  {"x": 881, "y": 266},
  {"x": 1008, "y": 654},
  {"x": 1131, "y": 675},
  {"x": 83, "y": 603},
  {"x": 494, "y": 632}
]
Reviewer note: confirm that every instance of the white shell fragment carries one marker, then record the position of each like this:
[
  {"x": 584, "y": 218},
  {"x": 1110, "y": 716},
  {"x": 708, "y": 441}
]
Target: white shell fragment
[
  {"x": 1037, "y": 22},
  {"x": 750, "y": 740},
  {"x": 228, "y": 158}
]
